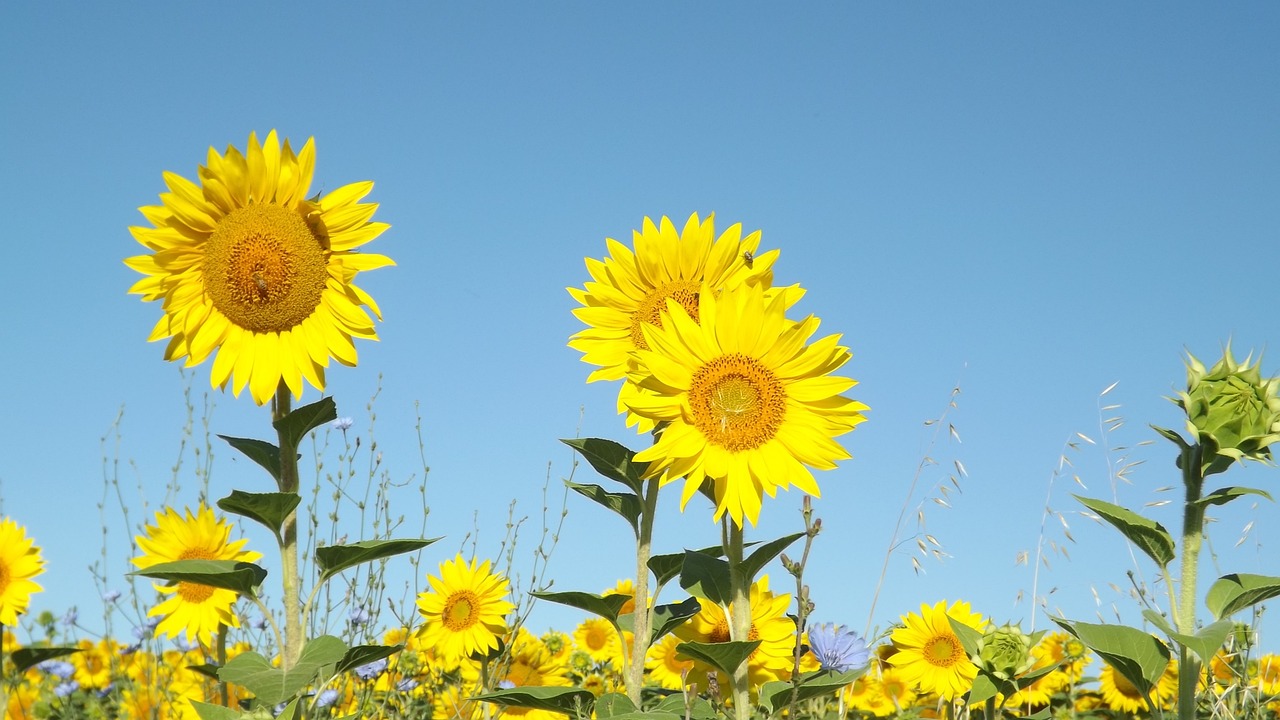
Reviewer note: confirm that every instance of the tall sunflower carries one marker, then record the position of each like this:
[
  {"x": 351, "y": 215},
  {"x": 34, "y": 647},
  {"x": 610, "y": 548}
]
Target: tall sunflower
[
  {"x": 747, "y": 402},
  {"x": 248, "y": 265},
  {"x": 771, "y": 660},
  {"x": 198, "y": 609},
  {"x": 465, "y": 610},
  {"x": 929, "y": 654},
  {"x": 19, "y": 562}
]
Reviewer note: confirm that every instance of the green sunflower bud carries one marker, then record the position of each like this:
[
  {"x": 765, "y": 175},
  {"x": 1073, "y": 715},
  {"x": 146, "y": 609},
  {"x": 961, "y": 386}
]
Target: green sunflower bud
[
  {"x": 1231, "y": 410},
  {"x": 1005, "y": 652}
]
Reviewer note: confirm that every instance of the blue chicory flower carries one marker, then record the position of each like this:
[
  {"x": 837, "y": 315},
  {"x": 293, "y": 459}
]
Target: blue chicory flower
[
  {"x": 57, "y": 668},
  {"x": 327, "y": 697},
  {"x": 371, "y": 670},
  {"x": 66, "y": 688},
  {"x": 838, "y": 648}
]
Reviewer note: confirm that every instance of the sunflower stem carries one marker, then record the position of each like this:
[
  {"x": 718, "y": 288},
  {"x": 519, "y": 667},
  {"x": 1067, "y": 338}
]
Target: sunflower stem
[
  {"x": 289, "y": 537},
  {"x": 641, "y": 613},
  {"x": 1185, "y": 612},
  {"x": 740, "y": 615},
  {"x": 224, "y": 698}
]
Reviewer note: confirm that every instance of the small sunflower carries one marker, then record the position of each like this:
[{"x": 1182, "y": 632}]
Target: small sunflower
[
  {"x": 599, "y": 639},
  {"x": 664, "y": 667},
  {"x": 198, "y": 609},
  {"x": 248, "y": 265},
  {"x": 748, "y": 403},
  {"x": 930, "y": 655},
  {"x": 771, "y": 660},
  {"x": 19, "y": 562},
  {"x": 465, "y": 610}
]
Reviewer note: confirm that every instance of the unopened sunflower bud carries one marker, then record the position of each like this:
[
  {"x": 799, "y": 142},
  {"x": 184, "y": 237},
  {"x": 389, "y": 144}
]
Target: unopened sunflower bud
[
  {"x": 1231, "y": 411},
  {"x": 1005, "y": 652}
]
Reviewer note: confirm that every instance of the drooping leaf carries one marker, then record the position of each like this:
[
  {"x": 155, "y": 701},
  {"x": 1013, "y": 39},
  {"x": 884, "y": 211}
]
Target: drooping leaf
[
  {"x": 1205, "y": 643},
  {"x": 625, "y": 504},
  {"x": 1173, "y": 437},
  {"x": 259, "y": 451},
  {"x": 1139, "y": 656},
  {"x": 333, "y": 559},
  {"x": 706, "y": 577},
  {"x": 765, "y": 554},
  {"x": 208, "y": 670},
  {"x": 611, "y": 704},
  {"x": 611, "y": 460},
  {"x": 1232, "y": 593},
  {"x": 363, "y": 655},
  {"x": 241, "y": 577},
  {"x": 724, "y": 656},
  {"x": 207, "y": 711},
  {"x": 269, "y": 509},
  {"x": 29, "y": 657},
  {"x": 776, "y": 695},
  {"x": 669, "y": 617},
  {"x": 606, "y": 606},
  {"x": 295, "y": 426},
  {"x": 272, "y": 685},
  {"x": 1222, "y": 496},
  {"x": 666, "y": 567},
  {"x": 568, "y": 700},
  {"x": 1149, "y": 535}
]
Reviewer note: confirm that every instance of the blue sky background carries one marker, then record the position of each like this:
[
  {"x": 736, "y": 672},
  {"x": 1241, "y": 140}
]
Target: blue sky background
[{"x": 1031, "y": 201}]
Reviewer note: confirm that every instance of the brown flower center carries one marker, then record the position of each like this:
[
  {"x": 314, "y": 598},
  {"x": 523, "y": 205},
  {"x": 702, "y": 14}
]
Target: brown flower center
[
  {"x": 265, "y": 269},
  {"x": 193, "y": 592},
  {"x": 650, "y": 308},
  {"x": 738, "y": 403},
  {"x": 460, "y": 611},
  {"x": 943, "y": 650}
]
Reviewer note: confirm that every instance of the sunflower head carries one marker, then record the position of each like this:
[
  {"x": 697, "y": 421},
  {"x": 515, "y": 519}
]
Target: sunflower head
[
  {"x": 1231, "y": 410},
  {"x": 929, "y": 653},
  {"x": 20, "y": 561},
  {"x": 249, "y": 267},
  {"x": 465, "y": 610}
]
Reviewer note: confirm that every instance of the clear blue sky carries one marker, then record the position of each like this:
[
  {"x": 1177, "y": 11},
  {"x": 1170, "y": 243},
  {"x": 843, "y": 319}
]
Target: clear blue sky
[{"x": 1034, "y": 201}]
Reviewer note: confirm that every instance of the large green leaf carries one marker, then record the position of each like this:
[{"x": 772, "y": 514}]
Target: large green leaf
[
  {"x": 259, "y": 451},
  {"x": 1149, "y": 535},
  {"x": 295, "y": 426},
  {"x": 606, "y": 606},
  {"x": 1232, "y": 593},
  {"x": 242, "y": 577},
  {"x": 697, "y": 709},
  {"x": 611, "y": 704},
  {"x": 983, "y": 689},
  {"x": 333, "y": 559},
  {"x": 777, "y": 694},
  {"x": 706, "y": 577},
  {"x": 568, "y": 700},
  {"x": 363, "y": 655},
  {"x": 29, "y": 657},
  {"x": 625, "y": 504},
  {"x": 666, "y": 567},
  {"x": 669, "y": 617},
  {"x": 1205, "y": 643},
  {"x": 272, "y": 685},
  {"x": 765, "y": 554},
  {"x": 1222, "y": 496},
  {"x": 967, "y": 636},
  {"x": 1139, "y": 656},
  {"x": 611, "y": 460},
  {"x": 724, "y": 656},
  {"x": 269, "y": 509},
  {"x": 207, "y": 711}
]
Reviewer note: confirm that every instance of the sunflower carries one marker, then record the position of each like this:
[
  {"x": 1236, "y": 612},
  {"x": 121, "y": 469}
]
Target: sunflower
[
  {"x": 198, "y": 609},
  {"x": 664, "y": 667},
  {"x": 771, "y": 660},
  {"x": 19, "y": 562},
  {"x": 747, "y": 402},
  {"x": 599, "y": 639},
  {"x": 530, "y": 664},
  {"x": 248, "y": 265},
  {"x": 1120, "y": 694},
  {"x": 930, "y": 655},
  {"x": 465, "y": 609}
]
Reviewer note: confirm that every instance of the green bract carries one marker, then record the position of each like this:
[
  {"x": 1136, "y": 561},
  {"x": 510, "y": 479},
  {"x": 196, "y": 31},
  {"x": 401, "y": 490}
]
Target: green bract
[
  {"x": 1232, "y": 410},
  {"x": 1005, "y": 652}
]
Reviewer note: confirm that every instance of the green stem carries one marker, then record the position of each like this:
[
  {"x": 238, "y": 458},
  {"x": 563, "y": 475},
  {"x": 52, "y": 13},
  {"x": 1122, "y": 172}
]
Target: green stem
[
  {"x": 1192, "y": 537},
  {"x": 740, "y": 615},
  {"x": 642, "y": 613},
  {"x": 224, "y": 697},
  {"x": 289, "y": 537}
]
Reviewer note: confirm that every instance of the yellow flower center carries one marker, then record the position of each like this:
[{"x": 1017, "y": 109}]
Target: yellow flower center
[
  {"x": 943, "y": 650},
  {"x": 460, "y": 611},
  {"x": 192, "y": 592},
  {"x": 596, "y": 638},
  {"x": 738, "y": 403},
  {"x": 265, "y": 269},
  {"x": 650, "y": 308},
  {"x": 4, "y": 576},
  {"x": 720, "y": 633}
]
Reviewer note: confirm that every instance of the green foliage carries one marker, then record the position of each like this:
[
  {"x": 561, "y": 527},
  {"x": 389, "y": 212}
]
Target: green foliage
[
  {"x": 269, "y": 509},
  {"x": 724, "y": 656},
  {"x": 706, "y": 577},
  {"x": 293, "y": 427},
  {"x": 611, "y": 460},
  {"x": 24, "y": 658},
  {"x": 333, "y": 559},
  {"x": 1205, "y": 643},
  {"x": 359, "y": 655},
  {"x": 1222, "y": 496},
  {"x": 606, "y": 606},
  {"x": 776, "y": 695},
  {"x": 764, "y": 554},
  {"x": 569, "y": 700},
  {"x": 1139, "y": 656},
  {"x": 259, "y": 451},
  {"x": 272, "y": 685},
  {"x": 667, "y": 618},
  {"x": 666, "y": 567},
  {"x": 207, "y": 711},
  {"x": 1237, "y": 591},
  {"x": 625, "y": 504},
  {"x": 1149, "y": 535},
  {"x": 240, "y": 577}
]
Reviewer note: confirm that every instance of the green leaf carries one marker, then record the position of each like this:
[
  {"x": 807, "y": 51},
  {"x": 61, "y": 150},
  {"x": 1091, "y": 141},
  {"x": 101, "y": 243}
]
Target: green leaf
[
  {"x": 611, "y": 704},
  {"x": 765, "y": 554},
  {"x": 1222, "y": 496},
  {"x": 295, "y": 426},
  {"x": 1172, "y": 436},
  {"x": 606, "y": 606},
  {"x": 241, "y": 577},
  {"x": 669, "y": 617},
  {"x": 208, "y": 670},
  {"x": 706, "y": 577},
  {"x": 1232, "y": 593},
  {"x": 1139, "y": 656},
  {"x": 333, "y": 559},
  {"x": 292, "y": 711},
  {"x": 365, "y": 654},
  {"x": 699, "y": 710},
  {"x": 983, "y": 689},
  {"x": 776, "y": 695},
  {"x": 646, "y": 715},
  {"x": 269, "y": 509},
  {"x": 666, "y": 567},
  {"x": 1205, "y": 643},
  {"x": 259, "y": 451},
  {"x": 967, "y": 636},
  {"x": 625, "y": 504},
  {"x": 1149, "y": 535},
  {"x": 29, "y": 657},
  {"x": 611, "y": 460},
  {"x": 724, "y": 656},
  {"x": 272, "y": 685},
  {"x": 207, "y": 711},
  {"x": 568, "y": 700}
]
